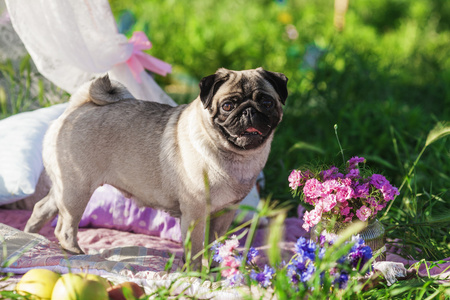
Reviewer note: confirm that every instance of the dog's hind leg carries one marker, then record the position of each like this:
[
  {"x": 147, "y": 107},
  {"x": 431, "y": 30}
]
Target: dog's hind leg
[
  {"x": 44, "y": 211},
  {"x": 71, "y": 208},
  {"x": 66, "y": 231}
]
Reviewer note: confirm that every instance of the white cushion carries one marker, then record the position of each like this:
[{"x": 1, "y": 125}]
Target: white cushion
[{"x": 21, "y": 139}]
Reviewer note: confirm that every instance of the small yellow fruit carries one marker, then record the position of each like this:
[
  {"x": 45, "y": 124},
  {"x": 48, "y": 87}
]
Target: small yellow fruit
[
  {"x": 38, "y": 282},
  {"x": 75, "y": 287},
  {"x": 98, "y": 278}
]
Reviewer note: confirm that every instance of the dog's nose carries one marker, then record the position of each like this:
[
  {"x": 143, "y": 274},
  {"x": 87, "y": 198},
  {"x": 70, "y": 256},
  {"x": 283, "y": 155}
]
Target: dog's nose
[{"x": 249, "y": 111}]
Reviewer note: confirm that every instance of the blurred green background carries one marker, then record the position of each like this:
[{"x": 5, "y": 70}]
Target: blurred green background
[{"x": 383, "y": 77}]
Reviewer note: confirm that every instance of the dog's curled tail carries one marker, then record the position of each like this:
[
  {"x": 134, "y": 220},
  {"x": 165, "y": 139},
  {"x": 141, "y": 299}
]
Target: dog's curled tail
[{"x": 101, "y": 91}]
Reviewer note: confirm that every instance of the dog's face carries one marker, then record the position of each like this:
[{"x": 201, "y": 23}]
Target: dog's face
[{"x": 245, "y": 106}]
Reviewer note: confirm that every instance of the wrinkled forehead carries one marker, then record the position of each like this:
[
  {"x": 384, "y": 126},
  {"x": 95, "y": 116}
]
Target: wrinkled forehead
[{"x": 245, "y": 83}]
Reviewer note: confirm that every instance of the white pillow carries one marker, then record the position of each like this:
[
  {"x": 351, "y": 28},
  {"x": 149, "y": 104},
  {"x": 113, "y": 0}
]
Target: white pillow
[{"x": 21, "y": 164}]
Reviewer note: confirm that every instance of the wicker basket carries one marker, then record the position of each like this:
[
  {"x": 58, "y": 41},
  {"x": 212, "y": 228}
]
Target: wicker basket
[{"x": 373, "y": 234}]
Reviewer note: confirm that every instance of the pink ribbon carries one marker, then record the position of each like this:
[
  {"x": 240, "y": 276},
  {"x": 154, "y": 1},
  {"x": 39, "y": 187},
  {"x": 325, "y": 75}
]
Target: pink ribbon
[{"x": 140, "y": 60}]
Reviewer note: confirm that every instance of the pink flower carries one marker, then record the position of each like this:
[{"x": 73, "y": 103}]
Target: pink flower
[
  {"x": 306, "y": 226},
  {"x": 232, "y": 265},
  {"x": 313, "y": 188},
  {"x": 309, "y": 200},
  {"x": 346, "y": 210},
  {"x": 294, "y": 179},
  {"x": 380, "y": 206},
  {"x": 347, "y": 181},
  {"x": 349, "y": 218},
  {"x": 227, "y": 249},
  {"x": 363, "y": 213},
  {"x": 311, "y": 218},
  {"x": 329, "y": 202},
  {"x": 330, "y": 185},
  {"x": 344, "y": 193},
  {"x": 338, "y": 195}
]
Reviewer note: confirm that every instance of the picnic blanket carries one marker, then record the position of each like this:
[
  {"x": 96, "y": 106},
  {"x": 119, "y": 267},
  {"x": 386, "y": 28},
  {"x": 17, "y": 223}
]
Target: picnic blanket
[
  {"x": 123, "y": 256},
  {"x": 116, "y": 255}
]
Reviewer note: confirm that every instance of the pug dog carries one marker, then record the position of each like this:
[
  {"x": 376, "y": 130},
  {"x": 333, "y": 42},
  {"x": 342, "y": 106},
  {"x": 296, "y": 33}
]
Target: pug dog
[{"x": 161, "y": 155}]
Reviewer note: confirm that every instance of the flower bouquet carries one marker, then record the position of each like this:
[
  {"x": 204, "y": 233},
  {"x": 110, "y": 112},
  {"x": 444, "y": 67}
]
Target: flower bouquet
[{"x": 342, "y": 197}]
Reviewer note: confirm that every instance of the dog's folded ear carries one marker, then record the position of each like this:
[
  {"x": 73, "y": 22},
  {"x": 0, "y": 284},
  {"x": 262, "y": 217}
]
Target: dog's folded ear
[
  {"x": 209, "y": 86},
  {"x": 278, "y": 81}
]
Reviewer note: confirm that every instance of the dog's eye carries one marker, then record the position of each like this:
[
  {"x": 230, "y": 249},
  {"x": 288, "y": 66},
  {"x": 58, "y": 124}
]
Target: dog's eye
[
  {"x": 228, "y": 106},
  {"x": 267, "y": 103}
]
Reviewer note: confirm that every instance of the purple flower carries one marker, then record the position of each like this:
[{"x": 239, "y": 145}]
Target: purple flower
[
  {"x": 327, "y": 237},
  {"x": 378, "y": 181},
  {"x": 300, "y": 269},
  {"x": 353, "y": 174},
  {"x": 307, "y": 274},
  {"x": 301, "y": 242},
  {"x": 263, "y": 277},
  {"x": 252, "y": 253},
  {"x": 234, "y": 280},
  {"x": 389, "y": 192},
  {"x": 298, "y": 264},
  {"x": 359, "y": 242},
  {"x": 342, "y": 280},
  {"x": 359, "y": 254},
  {"x": 306, "y": 248},
  {"x": 332, "y": 173},
  {"x": 362, "y": 190},
  {"x": 215, "y": 249},
  {"x": 294, "y": 277},
  {"x": 354, "y": 161},
  {"x": 322, "y": 251}
]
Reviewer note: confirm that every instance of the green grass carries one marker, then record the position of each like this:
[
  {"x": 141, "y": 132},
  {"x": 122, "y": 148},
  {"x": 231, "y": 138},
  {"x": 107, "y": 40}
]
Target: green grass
[
  {"x": 22, "y": 88},
  {"x": 384, "y": 80}
]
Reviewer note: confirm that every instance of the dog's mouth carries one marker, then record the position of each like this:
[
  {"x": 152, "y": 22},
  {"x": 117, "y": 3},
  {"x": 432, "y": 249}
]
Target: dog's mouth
[
  {"x": 251, "y": 131},
  {"x": 248, "y": 139}
]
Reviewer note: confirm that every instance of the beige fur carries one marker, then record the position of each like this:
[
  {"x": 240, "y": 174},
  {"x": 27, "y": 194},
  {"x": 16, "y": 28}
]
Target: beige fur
[{"x": 155, "y": 153}]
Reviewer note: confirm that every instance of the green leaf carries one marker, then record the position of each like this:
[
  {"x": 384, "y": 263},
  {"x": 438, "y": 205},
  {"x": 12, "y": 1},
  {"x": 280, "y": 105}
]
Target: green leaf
[
  {"x": 306, "y": 146},
  {"x": 275, "y": 235},
  {"x": 25, "y": 64}
]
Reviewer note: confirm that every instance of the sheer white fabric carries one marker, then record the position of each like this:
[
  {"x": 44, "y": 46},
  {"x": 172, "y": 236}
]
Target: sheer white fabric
[{"x": 72, "y": 41}]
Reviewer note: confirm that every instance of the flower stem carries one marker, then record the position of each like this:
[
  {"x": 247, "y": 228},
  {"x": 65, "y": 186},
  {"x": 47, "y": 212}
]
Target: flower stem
[
  {"x": 405, "y": 179},
  {"x": 340, "y": 146}
]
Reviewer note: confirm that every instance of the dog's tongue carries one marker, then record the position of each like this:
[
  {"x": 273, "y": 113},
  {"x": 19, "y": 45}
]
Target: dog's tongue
[{"x": 252, "y": 129}]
